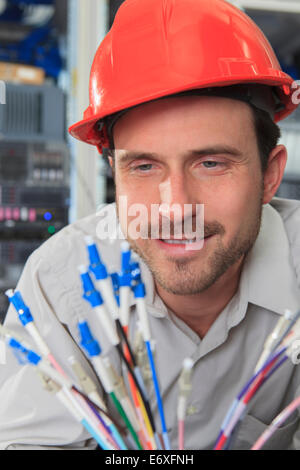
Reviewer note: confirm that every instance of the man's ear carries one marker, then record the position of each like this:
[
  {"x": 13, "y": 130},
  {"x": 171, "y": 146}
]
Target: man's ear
[{"x": 274, "y": 172}]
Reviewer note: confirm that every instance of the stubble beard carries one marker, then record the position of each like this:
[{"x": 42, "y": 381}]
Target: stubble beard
[{"x": 184, "y": 276}]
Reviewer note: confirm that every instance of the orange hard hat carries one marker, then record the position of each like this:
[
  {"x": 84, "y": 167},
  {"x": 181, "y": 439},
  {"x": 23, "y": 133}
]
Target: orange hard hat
[{"x": 157, "y": 48}]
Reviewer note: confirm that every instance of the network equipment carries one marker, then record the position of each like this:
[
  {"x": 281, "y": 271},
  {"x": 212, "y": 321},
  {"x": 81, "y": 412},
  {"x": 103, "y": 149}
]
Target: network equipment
[{"x": 34, "y": 176}]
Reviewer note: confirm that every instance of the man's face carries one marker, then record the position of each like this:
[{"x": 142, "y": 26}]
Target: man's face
[{"x": 203, "y": 151}]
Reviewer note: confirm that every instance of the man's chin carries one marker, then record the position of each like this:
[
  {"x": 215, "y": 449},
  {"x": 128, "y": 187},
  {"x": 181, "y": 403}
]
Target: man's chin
[{"x": 182, "y": 285}]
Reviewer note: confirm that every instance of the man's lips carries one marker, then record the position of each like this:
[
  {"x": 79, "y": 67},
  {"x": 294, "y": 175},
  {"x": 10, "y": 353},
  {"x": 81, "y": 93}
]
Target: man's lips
[{"x": 182, "y": 246}]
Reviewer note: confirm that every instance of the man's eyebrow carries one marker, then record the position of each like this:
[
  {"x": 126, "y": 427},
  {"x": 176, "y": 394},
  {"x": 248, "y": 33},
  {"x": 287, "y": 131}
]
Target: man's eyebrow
[
  {"x": 215, "y": 150},
  {"x": 127, "y": 155}
]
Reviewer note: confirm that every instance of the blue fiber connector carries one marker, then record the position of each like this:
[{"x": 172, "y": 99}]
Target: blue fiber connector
[
  {"x": 116, "y": 285},
  {"x": 139, "y": 290},
  {"x": 125, "y": 260},
  {"x": 135, "y": 272},
  {"x": 88, "y": 342},
  {"x": 97, "y": 267},
  {"x": 125, "y": 279},
  {"x": 125, "y": 274},
  {"x": 22, "y": 309},
  {"x": 31, "y": 356},
  {"x": 92, "y": 295}
]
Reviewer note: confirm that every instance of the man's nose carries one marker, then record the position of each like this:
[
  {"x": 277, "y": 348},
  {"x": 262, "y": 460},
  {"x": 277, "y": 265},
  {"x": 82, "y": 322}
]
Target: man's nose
[{"x": 176, "y": 198}]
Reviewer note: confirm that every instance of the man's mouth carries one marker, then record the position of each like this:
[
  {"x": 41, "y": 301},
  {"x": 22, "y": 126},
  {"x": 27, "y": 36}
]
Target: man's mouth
[
  {"x": 184, "y": 247},
  {"x": 180, "y": 242}
]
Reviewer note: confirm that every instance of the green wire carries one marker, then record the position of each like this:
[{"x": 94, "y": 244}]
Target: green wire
[{"x": 125, "y": 419}]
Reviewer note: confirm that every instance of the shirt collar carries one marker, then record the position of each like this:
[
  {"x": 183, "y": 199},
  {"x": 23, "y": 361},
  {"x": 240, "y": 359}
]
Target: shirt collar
[{"x": 268, "y": 274}]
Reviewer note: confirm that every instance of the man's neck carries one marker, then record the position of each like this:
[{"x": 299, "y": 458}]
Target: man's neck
[{"x": 199, "y": 311}]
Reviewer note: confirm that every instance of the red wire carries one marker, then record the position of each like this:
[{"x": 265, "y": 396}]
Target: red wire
[{"x": 248, "y": 396}]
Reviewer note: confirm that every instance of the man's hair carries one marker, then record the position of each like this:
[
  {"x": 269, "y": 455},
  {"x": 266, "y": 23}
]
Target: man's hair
[{"x": 267, "y": 134}]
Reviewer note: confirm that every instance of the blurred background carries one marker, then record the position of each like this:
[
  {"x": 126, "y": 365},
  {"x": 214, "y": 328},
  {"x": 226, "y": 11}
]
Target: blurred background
[{"x": 48, "y": 180}]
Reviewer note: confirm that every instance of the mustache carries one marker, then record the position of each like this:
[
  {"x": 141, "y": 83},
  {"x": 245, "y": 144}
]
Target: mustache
[{"x": 178, "y": 229}]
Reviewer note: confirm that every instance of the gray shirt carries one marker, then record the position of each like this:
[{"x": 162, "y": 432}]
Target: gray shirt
[{"x": 31, "y": 417}]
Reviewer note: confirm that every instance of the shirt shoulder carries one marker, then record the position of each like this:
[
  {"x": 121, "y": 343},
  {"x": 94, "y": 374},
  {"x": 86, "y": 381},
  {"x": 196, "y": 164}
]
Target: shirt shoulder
[{"x": 289, "y": 210}]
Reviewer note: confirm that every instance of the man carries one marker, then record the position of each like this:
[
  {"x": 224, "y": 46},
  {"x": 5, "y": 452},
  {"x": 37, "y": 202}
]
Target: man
[{"x": 184, "y": 94}]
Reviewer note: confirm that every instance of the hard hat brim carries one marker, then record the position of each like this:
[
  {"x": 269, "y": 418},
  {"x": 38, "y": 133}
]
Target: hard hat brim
[{"x": 86, "y": 129}]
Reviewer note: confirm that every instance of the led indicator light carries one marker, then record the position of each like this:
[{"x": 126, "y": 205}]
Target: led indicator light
[
  {"x": 47, "y": 216},
  {"x": 51, "y": 229}
]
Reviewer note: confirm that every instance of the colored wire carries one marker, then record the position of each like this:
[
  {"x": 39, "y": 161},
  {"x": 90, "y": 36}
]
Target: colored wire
[
  {"x": 239, "y": 405},
  {"x": 125, "y": 419},
  {"x": 93, "y": 405},
  {"x": 130, "y": 357},
  {"x": 272, "y": 363},
  {"x": 286, "y": 331},
  {"x": 185, "y": 387},
  {"x": 93, "y": 418},
  {"x": 145, "y": 401},
  {"x": 90, "y": 389},
  {"x": 105, "y": 429},
  {"x": 158, "y": 396},
  {"x": 238, "y": 409},
  {"x": 253, "y": 390},
  {"x": 181, "y": 434},
  {"x": 276, "y": 423},
  {"x": 147, "y": 433}
]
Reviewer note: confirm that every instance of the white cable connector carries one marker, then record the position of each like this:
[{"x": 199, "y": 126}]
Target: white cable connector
[
  {"x": 101, "y": 370},
  {"x": 125, "y": 246},
  {"x": 185, "y": 387},
  {"x": 121, "y": 393},
  {"x": 141, "y": 356},
  {"x": 107, "y": 323},
  {"x": 89, "y": 240},
  {"x": 143, "y": 318},
  {"x": 107, "y": 292},
  {"x": 273, "y": 337},
  {"x": 32, "y": 330},
  {"x": 86, "y": 383},
  {"x": 125, "y": 294}
]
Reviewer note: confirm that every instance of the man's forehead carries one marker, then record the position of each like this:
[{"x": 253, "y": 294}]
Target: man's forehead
[
  {"x": 180, "y": 115},
  {"x": 189, "y": 103}
]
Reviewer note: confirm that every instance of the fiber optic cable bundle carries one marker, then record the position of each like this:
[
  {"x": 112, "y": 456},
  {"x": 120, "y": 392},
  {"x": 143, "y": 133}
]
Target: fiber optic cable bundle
[{"x": 109, "y": 296}]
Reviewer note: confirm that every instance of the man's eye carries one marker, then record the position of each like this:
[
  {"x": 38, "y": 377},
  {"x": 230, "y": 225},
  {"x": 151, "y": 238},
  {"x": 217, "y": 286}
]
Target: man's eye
[
  {"x": 145, "y": 167},
  {"x": 210, "y": 164}
]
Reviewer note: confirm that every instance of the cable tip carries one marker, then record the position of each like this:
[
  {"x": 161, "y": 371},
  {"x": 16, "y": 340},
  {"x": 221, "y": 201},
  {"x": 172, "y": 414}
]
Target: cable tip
[
  {"x": 288, "y": 314},
  {"x": 188, "y": 363},
  {"x": 83, "y": 269},
  {"x": 71, "y": 360},
  {"x": 9, "y": 293},
  {"x": 89, "y": 240},
  {"x": 125, "y": 246}
]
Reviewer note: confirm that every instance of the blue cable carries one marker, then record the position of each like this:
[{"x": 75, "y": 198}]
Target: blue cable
[
  {"x": 94, "y": 435},
  {"x": 158, "y": 397}
]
